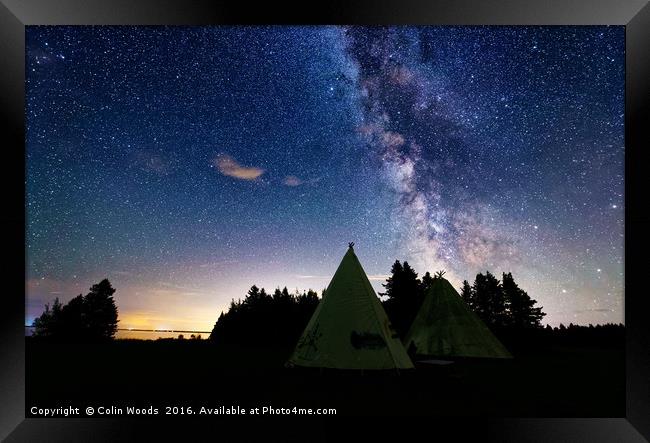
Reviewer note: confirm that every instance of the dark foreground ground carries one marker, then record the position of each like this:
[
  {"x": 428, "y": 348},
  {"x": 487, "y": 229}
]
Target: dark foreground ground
[{"x": 556, "y": 381}]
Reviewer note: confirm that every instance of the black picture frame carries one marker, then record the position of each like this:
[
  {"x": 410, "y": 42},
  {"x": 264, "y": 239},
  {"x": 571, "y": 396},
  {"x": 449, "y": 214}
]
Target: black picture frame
[{"x": 633, "y": 14}]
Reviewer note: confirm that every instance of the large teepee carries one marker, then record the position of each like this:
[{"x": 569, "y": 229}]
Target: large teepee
[
  {"x": 446, "y": 327},
  {"x": 349, "y": 329}
]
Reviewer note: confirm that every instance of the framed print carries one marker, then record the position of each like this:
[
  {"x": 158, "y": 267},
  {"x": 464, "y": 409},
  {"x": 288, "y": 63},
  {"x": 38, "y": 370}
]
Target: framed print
[{"x": 218, "y": 214}]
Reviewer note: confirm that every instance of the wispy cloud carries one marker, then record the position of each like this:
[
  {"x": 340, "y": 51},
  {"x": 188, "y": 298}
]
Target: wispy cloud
[
  {"x": 216, "y": 264},
  {"x": 123, "y": 273},
  {"x": 230, "y": 167},
  {"x": 176, "y": 288},
  {"x": 292, "y": 180}
]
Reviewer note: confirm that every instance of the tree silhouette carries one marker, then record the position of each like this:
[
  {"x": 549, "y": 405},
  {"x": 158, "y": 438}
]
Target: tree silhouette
[
  {"x": 92, "y": 317},
  {"x": 426, "y": 282},
  {"x": 263, "y": 319},
  {"x": 501, "y": 304},
  {"x": 71, "y": 324},
  {"x": 405, "y": 294},
  {"x": 392, "y": 282},
  {"x": 467, "y": 294},
  {"x": 522, "y": 313},
  {"x": 100, "y": 311},
  {"x": 48, "y": 324},
  {"x": 489, "y": 302}
]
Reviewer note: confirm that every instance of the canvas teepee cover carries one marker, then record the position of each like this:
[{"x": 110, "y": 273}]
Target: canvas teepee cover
[
  {"x": 349, "y": 329},
  {"x": 445, "y": 326}
]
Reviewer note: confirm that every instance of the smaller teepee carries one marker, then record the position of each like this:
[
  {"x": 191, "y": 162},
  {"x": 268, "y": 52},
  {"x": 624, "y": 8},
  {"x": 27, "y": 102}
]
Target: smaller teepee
[
  {"x": 349, "y": 329},
  {"x": 446, "y": 327}
]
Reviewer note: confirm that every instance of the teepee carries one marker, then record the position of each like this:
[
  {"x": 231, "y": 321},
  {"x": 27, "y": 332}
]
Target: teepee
[
  {"x": 349, "y": 329},
  {"x": 446, "y": 327}
]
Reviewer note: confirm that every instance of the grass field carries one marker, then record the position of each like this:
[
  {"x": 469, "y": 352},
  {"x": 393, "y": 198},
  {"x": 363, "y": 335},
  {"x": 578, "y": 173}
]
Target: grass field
[{"x": 554, "y": 382}]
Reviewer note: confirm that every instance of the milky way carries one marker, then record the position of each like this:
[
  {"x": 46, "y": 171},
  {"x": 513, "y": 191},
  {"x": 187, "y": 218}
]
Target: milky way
[{"x": 186, "y": 164}]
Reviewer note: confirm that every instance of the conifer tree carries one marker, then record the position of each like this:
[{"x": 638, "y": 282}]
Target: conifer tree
[
  {"x": 467, "y": 294},
  {"x": 521, "y": 308}
]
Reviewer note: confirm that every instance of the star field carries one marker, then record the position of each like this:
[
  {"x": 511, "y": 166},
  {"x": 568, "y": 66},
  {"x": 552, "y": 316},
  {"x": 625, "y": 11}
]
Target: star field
[{"x": 186, "y": 164}]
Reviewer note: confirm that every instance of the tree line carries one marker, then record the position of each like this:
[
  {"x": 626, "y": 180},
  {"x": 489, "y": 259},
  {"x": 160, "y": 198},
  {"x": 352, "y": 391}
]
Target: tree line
[
  {"x": 500, "y": 304},
  {"x": 279, "y": 318},
  {"x": 262, "y": 318},
  {"x": 90, "y": 317}
]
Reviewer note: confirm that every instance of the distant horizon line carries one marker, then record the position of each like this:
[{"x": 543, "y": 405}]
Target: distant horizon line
[{"x": 150, "y": 330}]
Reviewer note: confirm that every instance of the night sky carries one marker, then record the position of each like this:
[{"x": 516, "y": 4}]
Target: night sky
[{"x": 186, "y": 164}]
